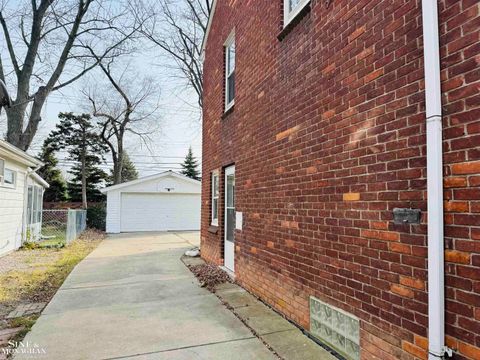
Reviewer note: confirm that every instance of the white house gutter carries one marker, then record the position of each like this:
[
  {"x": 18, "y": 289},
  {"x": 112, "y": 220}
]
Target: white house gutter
[{"x": 433, "y": 98}]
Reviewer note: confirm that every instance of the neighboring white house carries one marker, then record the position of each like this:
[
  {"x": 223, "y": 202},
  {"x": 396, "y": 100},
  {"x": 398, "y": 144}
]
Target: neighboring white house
[
  {"x": 164, "y": 202},
  {"x": 21, "y": 197}
]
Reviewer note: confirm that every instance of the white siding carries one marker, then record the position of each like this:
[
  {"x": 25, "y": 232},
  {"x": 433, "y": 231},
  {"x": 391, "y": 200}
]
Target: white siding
[
  {"x": 155, "y": 186},
  {"x": 113, "y": 212},
  {"x": 160, "y": 212},
  {"x": 11, "y": 210}
]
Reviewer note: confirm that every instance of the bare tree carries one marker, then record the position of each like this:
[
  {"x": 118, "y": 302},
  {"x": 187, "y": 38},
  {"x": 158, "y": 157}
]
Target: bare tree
[
  {"x": 123, "y": 107},
  {"x": 178, "y": 30},
  {"x": 49, "y": 44}
]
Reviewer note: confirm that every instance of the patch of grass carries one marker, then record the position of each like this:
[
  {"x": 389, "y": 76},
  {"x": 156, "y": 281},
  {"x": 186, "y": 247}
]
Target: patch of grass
[
  {"x": 52, "y": 243},
  {"x": 26, "y": 322},
  {"x": 41, "y": 281},
  {"x": 59, "y": 233}
]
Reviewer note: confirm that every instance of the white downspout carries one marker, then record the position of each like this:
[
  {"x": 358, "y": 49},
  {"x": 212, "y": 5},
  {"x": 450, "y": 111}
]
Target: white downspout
[{"x": 433, "y": 98}]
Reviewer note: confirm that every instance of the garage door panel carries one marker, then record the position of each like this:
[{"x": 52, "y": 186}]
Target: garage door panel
[{"x": 159, "y": 212}]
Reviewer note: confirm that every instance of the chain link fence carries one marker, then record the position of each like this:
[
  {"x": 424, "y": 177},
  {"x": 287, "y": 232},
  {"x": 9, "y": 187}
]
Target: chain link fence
[{"x": 62, "y": 226}]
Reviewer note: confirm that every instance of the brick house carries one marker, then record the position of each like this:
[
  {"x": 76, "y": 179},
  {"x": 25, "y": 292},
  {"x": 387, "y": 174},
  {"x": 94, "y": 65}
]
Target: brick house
[{"x": 314, "y": 131}]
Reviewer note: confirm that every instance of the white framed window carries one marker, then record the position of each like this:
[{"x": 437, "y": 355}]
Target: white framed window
[
  {"x": 230, "y": 71},
  {"x": 34, "y": 204},
  {"x": 9, "y": 178},
  {"x": 215, "y": 196},
  {"x": 2, "y": 170},
  {"x": 292, "y": 8}
]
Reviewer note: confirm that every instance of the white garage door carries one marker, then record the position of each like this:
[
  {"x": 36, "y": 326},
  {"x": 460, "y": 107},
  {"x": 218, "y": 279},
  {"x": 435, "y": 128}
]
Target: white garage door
[{"x": 160, "y": 212}]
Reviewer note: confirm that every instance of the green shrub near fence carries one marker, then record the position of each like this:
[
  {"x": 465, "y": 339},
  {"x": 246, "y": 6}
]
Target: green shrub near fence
[{"x": 96, "y": 217}]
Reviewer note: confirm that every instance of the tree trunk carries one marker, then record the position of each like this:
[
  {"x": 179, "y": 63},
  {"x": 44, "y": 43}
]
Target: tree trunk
[
  {"x": 118, "y": 165},
  {"x": 16, "y": 117}
]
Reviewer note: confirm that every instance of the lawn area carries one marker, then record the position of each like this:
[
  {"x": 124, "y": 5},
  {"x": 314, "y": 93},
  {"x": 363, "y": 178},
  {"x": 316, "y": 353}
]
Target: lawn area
[
  {"x": 33, "y": 276},
  {"x": 55, "y": 234}
]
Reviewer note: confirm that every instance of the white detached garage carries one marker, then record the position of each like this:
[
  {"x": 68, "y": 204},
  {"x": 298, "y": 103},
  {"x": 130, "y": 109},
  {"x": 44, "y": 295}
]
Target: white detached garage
[{"x": 164, "y": 202}]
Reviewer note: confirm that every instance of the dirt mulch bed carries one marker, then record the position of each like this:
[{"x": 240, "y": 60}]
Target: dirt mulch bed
[{"x": 210, "y": 276}]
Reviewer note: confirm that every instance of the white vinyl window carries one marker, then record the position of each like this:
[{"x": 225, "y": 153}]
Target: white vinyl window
[
  {"x": 215, "y": 194},
  {"x": 230, "y": 72},
  {"x": 9, "y": 178},
  {"x": 292, "y": 8},
  {"x": 2, "y": 170},
  {"x": 34, "y": 204}
]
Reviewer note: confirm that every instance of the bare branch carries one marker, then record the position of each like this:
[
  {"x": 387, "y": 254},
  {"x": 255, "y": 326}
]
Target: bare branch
[
  {"x": 8, "y": 40},
  {"x": 180, "y": 38}
]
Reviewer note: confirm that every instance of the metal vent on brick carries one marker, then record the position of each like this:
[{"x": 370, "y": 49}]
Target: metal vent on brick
[{"x": 336, "y": 328}]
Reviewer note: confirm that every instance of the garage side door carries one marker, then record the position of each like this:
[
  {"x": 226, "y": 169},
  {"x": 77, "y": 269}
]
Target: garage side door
[{"x": 160, "y": 212}]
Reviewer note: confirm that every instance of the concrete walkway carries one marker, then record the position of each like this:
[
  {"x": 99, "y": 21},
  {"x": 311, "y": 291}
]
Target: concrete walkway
[{"x": 132, "y": 298}]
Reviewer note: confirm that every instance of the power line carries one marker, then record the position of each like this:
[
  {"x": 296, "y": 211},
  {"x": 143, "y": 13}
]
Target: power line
[{"x": 108, "y": 162}]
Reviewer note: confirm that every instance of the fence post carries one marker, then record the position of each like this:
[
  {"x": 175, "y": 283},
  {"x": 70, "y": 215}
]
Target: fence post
[{"x": 71, "y": 226}]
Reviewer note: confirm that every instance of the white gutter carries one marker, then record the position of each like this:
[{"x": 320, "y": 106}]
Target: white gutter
[
  {"x": 207, "y": 31},
  {"x": 433, "y": 98}
]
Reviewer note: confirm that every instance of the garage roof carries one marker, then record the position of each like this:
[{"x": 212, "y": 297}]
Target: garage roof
[{"x": 149, "y": 178}]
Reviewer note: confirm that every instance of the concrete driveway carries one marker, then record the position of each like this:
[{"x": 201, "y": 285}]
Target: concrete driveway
[{"x": 132, "y": 298}]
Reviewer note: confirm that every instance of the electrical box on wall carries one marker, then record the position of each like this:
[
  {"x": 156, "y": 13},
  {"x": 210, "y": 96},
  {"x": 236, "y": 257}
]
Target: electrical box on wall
[
  {"x": 406, "y": 216},
  {"x": 239, "y": 220}
]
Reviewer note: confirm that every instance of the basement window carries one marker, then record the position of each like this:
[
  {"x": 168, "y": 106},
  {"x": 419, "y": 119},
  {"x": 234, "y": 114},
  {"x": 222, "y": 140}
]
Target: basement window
[
  {"x": 291, "y": 8},
  {"x": 336, "y": 328},
  {"x": 230, "y": 72}
]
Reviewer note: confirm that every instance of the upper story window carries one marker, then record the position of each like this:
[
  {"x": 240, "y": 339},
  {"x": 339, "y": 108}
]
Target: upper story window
[
  {"x": 230, "y": 72},
  {"x": 292, "y": 8},
  {"x": 215, "y": 195}
]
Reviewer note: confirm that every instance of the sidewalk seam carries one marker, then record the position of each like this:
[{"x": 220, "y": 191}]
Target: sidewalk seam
[{"x": 179, "y": 348}]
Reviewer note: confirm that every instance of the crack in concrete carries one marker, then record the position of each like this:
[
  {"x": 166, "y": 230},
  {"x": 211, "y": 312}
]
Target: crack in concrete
[{"x": 178, "y": 348}]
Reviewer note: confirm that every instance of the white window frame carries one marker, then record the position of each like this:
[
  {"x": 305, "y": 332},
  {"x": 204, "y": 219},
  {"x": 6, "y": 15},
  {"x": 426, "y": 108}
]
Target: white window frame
[
  {"x": 288, "y": 15},
  {"x": 215, "y": 196},
  {"x": 228, "y": 43},
  {"x": 3, "y": 170},
  {"x": 14, "y": 173}
]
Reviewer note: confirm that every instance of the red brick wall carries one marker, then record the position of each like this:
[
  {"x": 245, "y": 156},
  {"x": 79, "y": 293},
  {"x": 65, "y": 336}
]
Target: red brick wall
[{"x": 327, "y": 137}]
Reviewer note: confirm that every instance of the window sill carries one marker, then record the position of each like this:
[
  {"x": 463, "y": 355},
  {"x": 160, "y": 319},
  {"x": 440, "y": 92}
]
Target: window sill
[
  {"x": 228, "y": 111},
  {"x": 213, "y": 229},
  {"x": 7, "y": 186},
  {"x": 293, "y": 22}
]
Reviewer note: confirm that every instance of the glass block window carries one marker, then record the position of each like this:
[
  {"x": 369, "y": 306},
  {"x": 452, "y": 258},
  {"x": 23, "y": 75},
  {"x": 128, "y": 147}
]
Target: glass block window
[{"x": 336, "y": 328}]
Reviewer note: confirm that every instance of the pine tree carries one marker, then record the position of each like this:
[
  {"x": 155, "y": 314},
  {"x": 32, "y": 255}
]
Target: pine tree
[
  {"x": 129, "y": 171},
  {"x": 95, "y": 178},
  {"x": 51, "y": 174},
  {"x": 190, "y": 166},
  {"x": 78, "y": 135}
]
